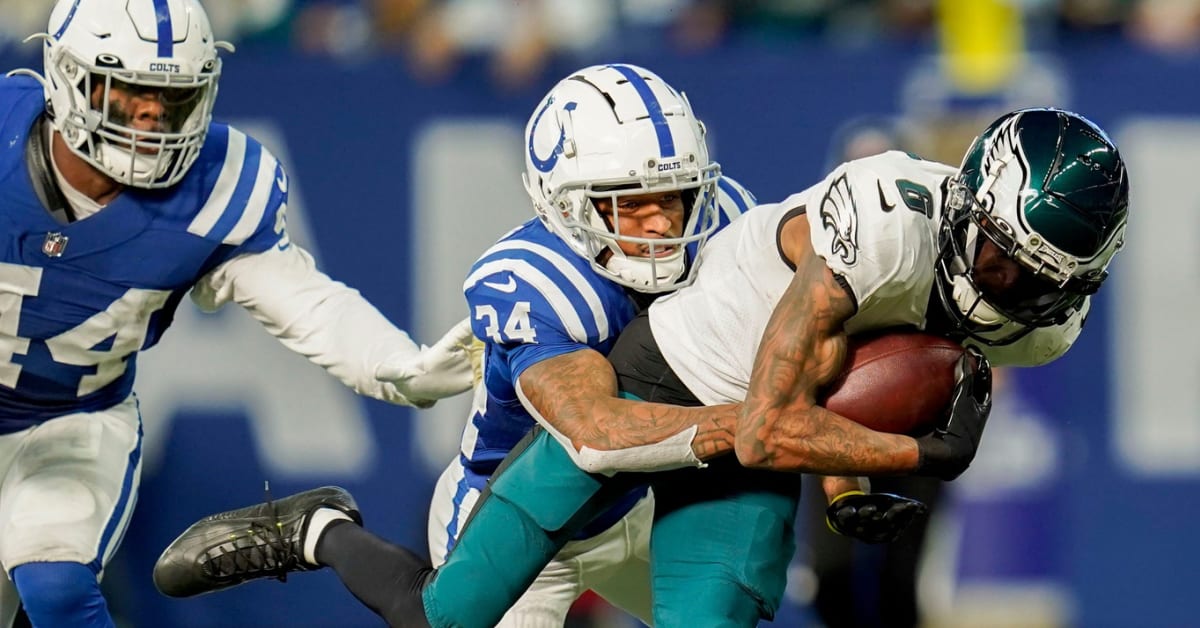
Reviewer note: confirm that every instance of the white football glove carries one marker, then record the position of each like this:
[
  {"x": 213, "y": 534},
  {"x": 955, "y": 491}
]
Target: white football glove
[{"x": 440, "y": 371}]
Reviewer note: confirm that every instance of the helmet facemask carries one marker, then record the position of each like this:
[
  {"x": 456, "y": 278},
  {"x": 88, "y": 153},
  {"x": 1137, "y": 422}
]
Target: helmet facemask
[
  {"x": 131, "y": 89},
  {"x": 599, "y": 237},
  {"x": 1043, "y": 294},
  {"x": 998, "y": 197},
  {"x": 98, "y": 126}
]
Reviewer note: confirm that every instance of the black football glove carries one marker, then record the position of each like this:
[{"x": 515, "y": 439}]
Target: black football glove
[
  {"x": 948, "y": 451},
  {"x": 873, "y": 517}
]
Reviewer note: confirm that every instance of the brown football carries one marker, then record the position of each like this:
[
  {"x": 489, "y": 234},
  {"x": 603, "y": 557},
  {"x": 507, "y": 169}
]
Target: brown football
[{"x": 897, "y": 381}]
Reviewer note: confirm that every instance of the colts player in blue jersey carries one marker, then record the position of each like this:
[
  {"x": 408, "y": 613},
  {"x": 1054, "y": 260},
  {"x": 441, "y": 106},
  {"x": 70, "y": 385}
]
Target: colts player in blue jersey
[
  {"x": 618, "y": 170},
  {"x": 119, "y": 195},
  {"x": 619, "y": 173}
]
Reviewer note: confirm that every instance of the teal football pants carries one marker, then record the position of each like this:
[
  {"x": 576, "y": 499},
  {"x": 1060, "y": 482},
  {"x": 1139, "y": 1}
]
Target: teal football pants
[
  {"x": 537, "y": 502},
  {"x": 721, "y": 542}
]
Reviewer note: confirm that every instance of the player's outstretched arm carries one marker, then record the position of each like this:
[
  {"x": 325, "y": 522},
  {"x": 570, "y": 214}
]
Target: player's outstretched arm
[
  {"x": 780, "y": 425},
  {"x": 324, "y": 320},
  {"x": 574, "y": 396}
]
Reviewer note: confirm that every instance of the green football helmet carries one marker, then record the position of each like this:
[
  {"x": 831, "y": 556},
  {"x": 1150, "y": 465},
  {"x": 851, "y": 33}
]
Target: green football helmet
[{"x": 1048, "y": 188}]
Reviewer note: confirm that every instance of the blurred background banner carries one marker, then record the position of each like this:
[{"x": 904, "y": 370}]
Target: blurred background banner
[{"x": 401, "y": 124}]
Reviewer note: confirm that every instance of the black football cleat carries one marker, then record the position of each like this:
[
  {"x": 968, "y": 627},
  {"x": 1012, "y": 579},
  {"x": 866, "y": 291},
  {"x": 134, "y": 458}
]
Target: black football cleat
[{"x": 261, "y": 541}]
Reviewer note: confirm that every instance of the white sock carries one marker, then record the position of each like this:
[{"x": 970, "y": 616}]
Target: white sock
[{"x": 317, "y": 522}]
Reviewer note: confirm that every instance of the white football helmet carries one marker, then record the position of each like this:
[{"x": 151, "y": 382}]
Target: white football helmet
[
  {"x": 608, "y": 131},
  {"x": 162, "y": 48}
]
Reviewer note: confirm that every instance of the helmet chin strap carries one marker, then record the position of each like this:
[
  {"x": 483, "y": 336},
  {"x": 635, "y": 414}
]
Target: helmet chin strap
[
  {"x": 145, "y": 168},
  {"x": 637, "y": 272},
  {"x": 966, "y": 297},
  {"x": 646, "y": 272},
  {"x": 972, "y": 305}
]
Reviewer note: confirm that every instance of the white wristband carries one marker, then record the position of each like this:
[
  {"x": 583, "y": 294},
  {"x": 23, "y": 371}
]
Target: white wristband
[{"x": 674, "y": 452}]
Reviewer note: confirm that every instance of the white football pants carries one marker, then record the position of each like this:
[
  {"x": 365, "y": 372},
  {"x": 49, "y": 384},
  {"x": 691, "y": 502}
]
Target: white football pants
[{"x": 67, "y": 490}]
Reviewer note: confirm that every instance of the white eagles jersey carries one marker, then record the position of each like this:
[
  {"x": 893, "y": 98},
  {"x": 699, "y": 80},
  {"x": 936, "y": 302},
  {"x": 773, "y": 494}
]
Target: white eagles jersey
[{"x": 874, "y": 221}]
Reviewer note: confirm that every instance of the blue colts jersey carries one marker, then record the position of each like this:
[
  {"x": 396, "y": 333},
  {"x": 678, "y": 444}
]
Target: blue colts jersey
[
  {"x": 531, "y": 298},
  {"x": 79, "y": 300}
]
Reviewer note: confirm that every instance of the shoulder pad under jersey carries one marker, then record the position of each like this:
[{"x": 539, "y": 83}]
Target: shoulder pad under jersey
[
  {"x": 874, "y": 221},
  {"x": 531, "y": 288},
  {"x": 243, "y": 192}
]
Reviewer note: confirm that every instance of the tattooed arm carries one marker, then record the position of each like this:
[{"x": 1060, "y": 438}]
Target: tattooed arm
[
  {"x": 780, "y": 426},
  {"x": 576, "y": 393}
]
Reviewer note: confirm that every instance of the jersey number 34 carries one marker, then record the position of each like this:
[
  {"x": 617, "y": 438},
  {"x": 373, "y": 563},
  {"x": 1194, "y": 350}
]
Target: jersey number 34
[{"x": 517, "y": 327}]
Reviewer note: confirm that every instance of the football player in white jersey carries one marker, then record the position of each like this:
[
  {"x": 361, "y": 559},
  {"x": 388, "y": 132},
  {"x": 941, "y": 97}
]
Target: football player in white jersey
[
  {"x": 1002, "y": 254},
  {"x": 120, "y": 195}
]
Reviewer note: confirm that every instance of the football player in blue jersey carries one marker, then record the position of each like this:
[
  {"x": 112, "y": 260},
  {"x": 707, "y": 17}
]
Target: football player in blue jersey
[
  {"x": 119, "y": 195},
  {"x": 619, "y": 174}
]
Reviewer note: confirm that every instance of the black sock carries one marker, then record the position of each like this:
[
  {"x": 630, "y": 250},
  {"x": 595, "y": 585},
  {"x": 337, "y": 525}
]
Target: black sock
[
  {"x": 317, "y": 551},
  {"x": 385, "y": 577}
]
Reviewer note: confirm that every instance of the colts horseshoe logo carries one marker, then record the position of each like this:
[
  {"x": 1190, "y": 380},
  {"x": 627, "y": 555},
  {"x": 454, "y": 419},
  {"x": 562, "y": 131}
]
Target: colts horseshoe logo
[{"x": 547, "y": 164}]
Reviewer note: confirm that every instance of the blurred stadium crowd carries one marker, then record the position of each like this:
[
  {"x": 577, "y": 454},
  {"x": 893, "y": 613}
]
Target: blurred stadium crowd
[{"x": 519, "y": 37}]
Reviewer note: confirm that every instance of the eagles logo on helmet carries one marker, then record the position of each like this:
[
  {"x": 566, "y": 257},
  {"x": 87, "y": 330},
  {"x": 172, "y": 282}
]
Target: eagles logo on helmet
[{"x": 1050, "y": 190}]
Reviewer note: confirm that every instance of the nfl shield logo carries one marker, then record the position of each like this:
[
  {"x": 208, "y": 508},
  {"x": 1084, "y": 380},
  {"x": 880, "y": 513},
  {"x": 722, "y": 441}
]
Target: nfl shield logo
[{"x": 55, "y": 244}]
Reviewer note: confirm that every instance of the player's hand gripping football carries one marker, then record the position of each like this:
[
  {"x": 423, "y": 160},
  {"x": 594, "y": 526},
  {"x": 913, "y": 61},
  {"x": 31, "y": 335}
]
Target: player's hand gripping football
[
  {"x": 873, "y": 517},
  {"x": 949, "y": 449},
  {"x": 443, "y": 370}
]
